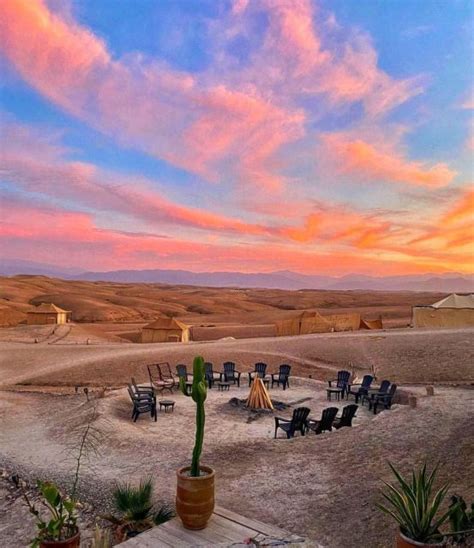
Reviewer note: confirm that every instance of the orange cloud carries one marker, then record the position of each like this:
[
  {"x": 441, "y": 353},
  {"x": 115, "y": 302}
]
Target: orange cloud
[
  {"x": 463, "y": 210},
  {"x": 361, "y": 158}
]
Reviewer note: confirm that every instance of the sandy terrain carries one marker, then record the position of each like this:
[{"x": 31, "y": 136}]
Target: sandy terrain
[
  {"x": 304, "y": 485},
  {"x": 117, "y": 302}
]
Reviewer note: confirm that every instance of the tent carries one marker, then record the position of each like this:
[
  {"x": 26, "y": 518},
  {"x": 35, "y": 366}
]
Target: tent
[
  {"x": 452, "y": 311},
  {"x": 313, "y": 322},
  {"x": 47, "y": 313},
  {"x": 371, "y": 324},
  {"x": 166, "y": 330}
]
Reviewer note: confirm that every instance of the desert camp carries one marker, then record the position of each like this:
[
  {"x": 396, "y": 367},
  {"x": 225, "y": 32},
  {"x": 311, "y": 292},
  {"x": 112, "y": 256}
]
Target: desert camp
[
  {"x": 452, "y": 311},
  {"x": 47, "y": 313},
  {"x": 165, "y": 330}
]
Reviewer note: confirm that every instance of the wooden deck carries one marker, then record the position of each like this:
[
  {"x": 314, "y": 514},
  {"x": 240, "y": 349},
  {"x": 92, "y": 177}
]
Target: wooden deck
[{"x": 225, "y": 529}]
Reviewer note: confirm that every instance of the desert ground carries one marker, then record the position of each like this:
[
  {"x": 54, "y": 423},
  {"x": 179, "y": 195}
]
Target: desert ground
[
  {"x": 217, "y": 310},
  {"x": 303, "y": 485}
]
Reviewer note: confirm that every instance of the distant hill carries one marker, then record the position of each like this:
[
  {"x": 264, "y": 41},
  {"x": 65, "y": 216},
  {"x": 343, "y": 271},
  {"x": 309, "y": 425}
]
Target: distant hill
[{"x": 443, "y": 283}]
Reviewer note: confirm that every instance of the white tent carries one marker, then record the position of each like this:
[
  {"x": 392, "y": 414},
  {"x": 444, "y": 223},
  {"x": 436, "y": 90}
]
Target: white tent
[{"x": 456, "y": 301}]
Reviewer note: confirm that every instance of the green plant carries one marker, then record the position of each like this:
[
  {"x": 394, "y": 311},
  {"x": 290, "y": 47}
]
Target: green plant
[
  {"x": 135, "y": 504},
  {"x": 461, "y": 519},
  {"x": 62, "y": 509},
  {"x": 413, "y": 506},
  {"x": 198, "y": 394}
]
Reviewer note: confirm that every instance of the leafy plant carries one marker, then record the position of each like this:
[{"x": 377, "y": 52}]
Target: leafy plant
[
  {"x": 135, "y": 504},
  {"x": 198, "y": 394},
  {"x": 461, "y": 518},
  {"x": 63, "y": 518},
  {"x": 413, "y": 506}
]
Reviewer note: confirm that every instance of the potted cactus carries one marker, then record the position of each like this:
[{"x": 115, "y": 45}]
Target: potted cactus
[{"x": 195, "y": 487}]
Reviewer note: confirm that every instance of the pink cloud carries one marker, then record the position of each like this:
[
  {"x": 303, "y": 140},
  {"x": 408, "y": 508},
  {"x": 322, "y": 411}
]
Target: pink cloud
[{"x": 361, "y": 158}]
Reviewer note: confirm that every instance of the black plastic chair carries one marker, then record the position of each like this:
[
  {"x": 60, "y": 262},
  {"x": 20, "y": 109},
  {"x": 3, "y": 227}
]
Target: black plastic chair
[
  {"x": 384, "y": 399},
  {"x": 259, "y": 371},
  {"x": 325, "y": 422},
  {"x": 296, "y": 424},
  {"x": 381, "y": 391},
  {"x": 348, "y": 413},
  {"x": 210, "y": 374},
  {"x": 142, "y": 403},
  {"x": 360, "y": 390},
  {"x": 143, "y": 388},
  {"x": 230, "y": 373},
  {"x": 342, "y": 381},
  {"x": 182, "y": 371},
  {"x": 282, "y": 377}
]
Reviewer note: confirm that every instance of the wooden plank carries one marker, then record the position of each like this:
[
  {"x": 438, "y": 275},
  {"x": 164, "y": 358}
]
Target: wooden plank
[{"x": 258, "y": 526}]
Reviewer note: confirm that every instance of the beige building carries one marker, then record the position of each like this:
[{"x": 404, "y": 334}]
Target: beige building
[
  {"x": 452, "y": 311},
  {"x": 313, "y": 322},
  {"x": 47, "y": 313},
  {"x": 166, "y": 330}
]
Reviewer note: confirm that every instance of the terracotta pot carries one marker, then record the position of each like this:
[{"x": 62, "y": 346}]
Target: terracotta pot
[
  {"x": 195, "y": 497},
  {"x": 405, "y": 542},
  {"x": 71, "y": 542}
]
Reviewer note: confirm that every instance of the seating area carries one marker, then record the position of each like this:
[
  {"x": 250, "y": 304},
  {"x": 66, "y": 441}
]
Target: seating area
[{"x": 162, "y": 378}]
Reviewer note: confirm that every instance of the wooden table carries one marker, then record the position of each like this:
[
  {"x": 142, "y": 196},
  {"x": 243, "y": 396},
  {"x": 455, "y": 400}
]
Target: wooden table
[{"x": 224, "y": 529}]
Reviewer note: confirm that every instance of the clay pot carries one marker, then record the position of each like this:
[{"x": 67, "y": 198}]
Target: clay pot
[
  {"x": 71, "y": 542},
  {"x": 195, "y": 497},
  {"x": 405, "y": 542}
]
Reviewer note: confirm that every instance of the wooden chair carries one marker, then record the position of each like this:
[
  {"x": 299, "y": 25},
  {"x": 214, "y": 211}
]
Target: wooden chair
[
  {"x": 360, "y": 390},
  {"x": 296, "y": 424},
  {"x": 158, "y": 380},
  {"x": 348, "y": 413},
  {"x": 385, "y": 399},
  {"x": 142, "y": 403},
  {"x": 282, "y": 377},
  {"x": 343, "y": 378},
  {"x": 259, "y": 371},
  {"x": 210, "y": 374},
  {"x": 325, "y": 422},
  {"x": 230, "y": 373}
]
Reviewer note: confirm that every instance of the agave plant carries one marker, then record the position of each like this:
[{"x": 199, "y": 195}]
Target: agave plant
[
  {"x": 461, "y": 519},
  {"x": 413, "y": 506},
  {"x": 138, "y": 512}
]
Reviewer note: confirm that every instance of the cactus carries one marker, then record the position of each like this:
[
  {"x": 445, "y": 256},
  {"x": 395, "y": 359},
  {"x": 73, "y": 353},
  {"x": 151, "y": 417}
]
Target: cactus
[{"x": 199, "y": 394}]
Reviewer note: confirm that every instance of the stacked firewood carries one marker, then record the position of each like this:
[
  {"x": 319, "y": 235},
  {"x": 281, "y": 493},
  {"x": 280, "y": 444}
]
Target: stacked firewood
[{"x": 259, "y": 397}]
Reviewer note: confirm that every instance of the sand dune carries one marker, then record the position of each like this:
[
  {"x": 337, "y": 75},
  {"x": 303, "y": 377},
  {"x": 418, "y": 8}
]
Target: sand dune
[{"x": 120, "y": 302}]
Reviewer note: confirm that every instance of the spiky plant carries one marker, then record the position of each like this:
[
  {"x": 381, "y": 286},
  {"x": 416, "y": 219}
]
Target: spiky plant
[
  {"x": 198, "y": 394},
  {"x": 137, "y": 508},
  {"x": 461, "y": 519},
  {"x": 413, "y": 506}
]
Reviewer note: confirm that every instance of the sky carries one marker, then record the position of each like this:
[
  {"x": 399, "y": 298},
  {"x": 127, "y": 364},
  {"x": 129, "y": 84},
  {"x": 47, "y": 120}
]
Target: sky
[{"x": 324, "y": 137}]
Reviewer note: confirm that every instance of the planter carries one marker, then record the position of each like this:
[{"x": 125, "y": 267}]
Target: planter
[
  {"x": 71, "y": 542},
  {"x": 195, "y": 497},
  {"x": 405, "y": 542}
]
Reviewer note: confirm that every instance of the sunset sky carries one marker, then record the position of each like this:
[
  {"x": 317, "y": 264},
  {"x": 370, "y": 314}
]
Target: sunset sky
[{"x": 331, "y": 136}]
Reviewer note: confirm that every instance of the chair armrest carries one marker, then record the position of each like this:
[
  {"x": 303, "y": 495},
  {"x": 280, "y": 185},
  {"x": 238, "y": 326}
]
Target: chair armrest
[
  {"x": 238, "y": 373},
  {"x": 281, "y": 419},
  {"x": 331, "y": 381}
]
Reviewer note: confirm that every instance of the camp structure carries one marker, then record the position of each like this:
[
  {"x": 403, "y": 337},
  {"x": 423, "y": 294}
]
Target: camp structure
[
  {"x": 452, "y": 311},
  {"x": 313, "y": 322},
  {"x": 371, "y": 324},
  {"x": 166, "y": 330},
  {"x": 47, "y": 313}
]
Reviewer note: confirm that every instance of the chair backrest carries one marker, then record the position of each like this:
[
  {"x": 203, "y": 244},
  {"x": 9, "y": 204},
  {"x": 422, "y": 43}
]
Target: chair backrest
[
  {"x": 154, "y": 372},
  {"x": 300, "y": 415},
  {"x": 229, "y": 368},
  {"x": 182, "y": 371},
  {"x": 348, "y": 413},
  {"x": 393, "y": 389},
  {"x": 131, "y": 392},
  {"x": 284, "y": 371},
  {"x": 384, "y": 386},
  {"x": 209, "y": 368},
  {"x": 343, "y": 378},
  {"x": 327, "y": 418},
  {"x": 166, "y": 370},
  {"x": 367, "y": 381},
  {"x": 260, "y": 369}
]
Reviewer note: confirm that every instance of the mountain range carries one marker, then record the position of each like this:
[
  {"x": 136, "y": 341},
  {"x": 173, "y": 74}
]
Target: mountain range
[{"x": 444, "y": 283}]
